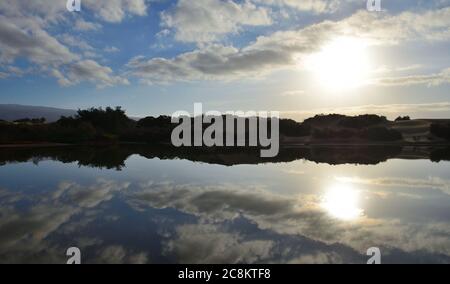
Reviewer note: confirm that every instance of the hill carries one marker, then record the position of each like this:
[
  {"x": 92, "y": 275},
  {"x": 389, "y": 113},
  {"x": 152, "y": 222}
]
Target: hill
[{"x": 10, "y": 112}]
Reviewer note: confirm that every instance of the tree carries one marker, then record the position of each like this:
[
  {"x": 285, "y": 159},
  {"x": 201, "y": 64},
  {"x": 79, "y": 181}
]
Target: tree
[
  {"x": 110, "y": 120},
  {"x": 403, "y": 118}
]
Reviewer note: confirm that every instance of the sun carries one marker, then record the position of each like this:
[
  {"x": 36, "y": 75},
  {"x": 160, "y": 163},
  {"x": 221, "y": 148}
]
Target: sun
[
  {"x": 342, "y": 64},
  {"x": 342, "y": 202}
]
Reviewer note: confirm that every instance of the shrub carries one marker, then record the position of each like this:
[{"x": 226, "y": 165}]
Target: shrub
[
  {"x": 403, "y": 118},
  {"x": 292, "y": 128},
  {"x": 362, "y": 121}
]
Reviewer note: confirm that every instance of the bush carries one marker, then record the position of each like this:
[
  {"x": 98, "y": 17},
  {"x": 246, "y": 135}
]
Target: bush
[
  {"x": 403, "y": 118},
  {"x": 362, "y": 121},
  {"x": 292, "y": 128},
  {"x": 324, "y": 119},
  {"x": 150, "y": 122},
  {"x": 112, "y": 121},
  {"x": 328, "y": 133}
]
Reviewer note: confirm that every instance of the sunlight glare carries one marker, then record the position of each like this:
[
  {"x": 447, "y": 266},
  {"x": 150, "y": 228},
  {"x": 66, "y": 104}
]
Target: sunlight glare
[
  {"x": 342, "y": 64},
  {"x": 342, "y": 202}
]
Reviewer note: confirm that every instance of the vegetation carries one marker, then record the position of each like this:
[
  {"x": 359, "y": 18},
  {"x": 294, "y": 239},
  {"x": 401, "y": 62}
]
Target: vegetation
[
  {"x": 441, "y": 130},
  {"x": 403, "y": 118},
  {"x": 382, "y": 134},
  {"x": 292, "y": 128},
  {"x": 362, "y": 121},
  {"x": 111, "y": 126},
  {"x": 31, "y": 121}
]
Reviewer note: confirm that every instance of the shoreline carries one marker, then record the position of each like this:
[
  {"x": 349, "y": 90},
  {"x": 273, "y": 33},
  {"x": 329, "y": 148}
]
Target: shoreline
[{"x": 286, "y": 145}]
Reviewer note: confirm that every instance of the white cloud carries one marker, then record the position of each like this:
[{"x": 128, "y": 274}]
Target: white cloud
[
  {"x": 33, "y": 43},
  {"x": 203, "y": 21},
  {"x": 212, "y": 62},
  {"x": 111, "y": 49},
  {"x": 75, "y": 42},
  {"x": 91, "y": 71},
  {"x": 284, "y": 49},
  {"x": 436, "y": 79},
  {"x": 25, "y": 33},
  {"x": 293, "y": 93},
  {"x": 315, "y": 6},
  {"x": 115, "y": 11},
  {"x": 82, "y": 25},
  {"x": 391, "y": 110}
]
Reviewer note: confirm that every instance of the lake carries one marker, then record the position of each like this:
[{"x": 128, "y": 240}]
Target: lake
[{"x": 152, "y": 205}]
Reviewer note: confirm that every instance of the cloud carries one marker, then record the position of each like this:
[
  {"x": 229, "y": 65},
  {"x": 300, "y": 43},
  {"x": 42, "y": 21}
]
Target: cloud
[
  {"x": 82, "y": 25},
  {"x": 436, "y": 79},
  {"x": 293, "y": 93},
  {"x": 212, "y": 62},
  {"x": 91, "y": 71},
  {"x": 13, "y": 71},
  {"x": 204, "y": 21},
  {"x": 34, "y": 44},
  {"x": 315, "y": 6},
  {"x": 75, "y": 42},
  {"x": 114, "y": 11},
  {"x": 25, "y": 34},
  {"x": 111, "y": 49},
  {"x": 287, "y": 49},
  {"x": 390, "y": 110}
]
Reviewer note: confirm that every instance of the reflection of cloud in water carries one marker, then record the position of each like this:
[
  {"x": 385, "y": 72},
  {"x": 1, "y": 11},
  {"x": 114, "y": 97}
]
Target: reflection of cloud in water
[
  {"x": 23, "y": 232},
  {"x": 431, "y": 183},
  {"x": 119, "y": 255},
  {"x": 317, "y": 258},
  {"x": 301, "y": 215},
  {"x": 226, "y": 224},
  {"x": 206, "y": 243}
]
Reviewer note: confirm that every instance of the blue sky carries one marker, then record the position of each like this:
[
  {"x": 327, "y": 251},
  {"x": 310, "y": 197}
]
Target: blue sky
[{"x": 297, "y": 57}]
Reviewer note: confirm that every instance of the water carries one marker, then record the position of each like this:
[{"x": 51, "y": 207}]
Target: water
[{"x": 162, "y": 208}]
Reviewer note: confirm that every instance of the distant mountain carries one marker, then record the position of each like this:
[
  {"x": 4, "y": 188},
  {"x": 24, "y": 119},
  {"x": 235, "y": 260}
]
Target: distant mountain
[{"x": 15, "y": 112}]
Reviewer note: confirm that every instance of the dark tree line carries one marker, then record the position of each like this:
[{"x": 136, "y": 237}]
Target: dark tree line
[{"x": 112, "y": 125}]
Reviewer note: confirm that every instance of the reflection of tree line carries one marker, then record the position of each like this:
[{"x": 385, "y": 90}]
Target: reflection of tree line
[{"x": 114, "y": 157}]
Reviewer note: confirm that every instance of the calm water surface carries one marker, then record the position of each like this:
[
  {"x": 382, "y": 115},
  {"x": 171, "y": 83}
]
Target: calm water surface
[{"x": 179, "y": 211}]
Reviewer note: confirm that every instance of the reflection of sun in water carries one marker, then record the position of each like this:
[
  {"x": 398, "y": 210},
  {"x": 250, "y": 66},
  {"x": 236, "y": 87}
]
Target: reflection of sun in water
[
  {"x": 342, "y": 64},
  {"x": 342, "y": 202}
]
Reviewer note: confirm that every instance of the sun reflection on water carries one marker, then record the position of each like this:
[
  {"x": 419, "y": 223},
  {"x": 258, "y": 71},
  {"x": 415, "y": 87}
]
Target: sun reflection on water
[{"x": 342, "y": 202}]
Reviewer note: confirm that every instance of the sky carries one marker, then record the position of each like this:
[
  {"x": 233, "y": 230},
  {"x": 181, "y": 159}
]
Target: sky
[{"x": 299, "y": 57}]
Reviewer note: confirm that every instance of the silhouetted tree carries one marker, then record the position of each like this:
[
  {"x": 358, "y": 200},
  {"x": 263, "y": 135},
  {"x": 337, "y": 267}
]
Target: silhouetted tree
[
  {"x": 109, "y": 120},
  {"x": 403, "y": 118}
]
